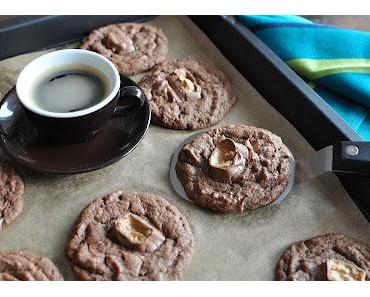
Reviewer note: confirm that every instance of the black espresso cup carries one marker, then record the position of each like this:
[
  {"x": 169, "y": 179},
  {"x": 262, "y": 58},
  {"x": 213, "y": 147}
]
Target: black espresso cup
[{"x": 82, "y": 124}]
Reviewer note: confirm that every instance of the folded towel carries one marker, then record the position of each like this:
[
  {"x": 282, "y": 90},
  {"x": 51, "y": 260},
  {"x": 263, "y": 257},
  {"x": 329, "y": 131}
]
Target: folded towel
[{"x": 334, "y": 61}]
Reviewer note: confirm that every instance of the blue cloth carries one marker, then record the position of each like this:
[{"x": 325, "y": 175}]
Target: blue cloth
[{"x": 334, "y": 61}]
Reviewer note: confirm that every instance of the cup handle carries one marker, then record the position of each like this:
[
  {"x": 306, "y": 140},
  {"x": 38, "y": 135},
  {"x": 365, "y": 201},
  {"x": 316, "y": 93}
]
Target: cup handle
[{"x": 130, "y": 106}]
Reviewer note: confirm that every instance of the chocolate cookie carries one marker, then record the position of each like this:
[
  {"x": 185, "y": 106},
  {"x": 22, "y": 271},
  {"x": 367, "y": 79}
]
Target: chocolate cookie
[
  {"x": 26, "y": 266},
  {"x": 11, "y": 194},
  {"x": 133, "y": 48},
  {"x": 130, "y": 236},
  {"x": 326, "y": 257},
  {"x": 186, "y": 94},
  {"x": 234, "y": 168}
]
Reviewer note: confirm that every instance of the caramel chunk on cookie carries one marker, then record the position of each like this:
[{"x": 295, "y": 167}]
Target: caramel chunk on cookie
[
  {"x": 343, "y": 270},
  {"x": 135, "y": 233}
]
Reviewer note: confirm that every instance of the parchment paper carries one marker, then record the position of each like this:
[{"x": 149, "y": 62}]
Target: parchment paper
[{"x": 227, "y": 247}]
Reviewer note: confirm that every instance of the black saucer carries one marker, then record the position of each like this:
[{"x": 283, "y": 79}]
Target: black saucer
[{"x": 21, "y": 141}]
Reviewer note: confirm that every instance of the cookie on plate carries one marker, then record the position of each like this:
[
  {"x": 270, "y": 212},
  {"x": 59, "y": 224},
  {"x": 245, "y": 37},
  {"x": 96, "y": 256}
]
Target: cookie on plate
[
  {"x": 234, "y": 168},
  {"x": 26, "y": 266},
  {"x": 133, "y": 48},
  {"x": 187, "y": 95},
  {"x": 326, "y": 257},
  {"x": 11, "y": 194},
  {"x": 130, "y": 236}
]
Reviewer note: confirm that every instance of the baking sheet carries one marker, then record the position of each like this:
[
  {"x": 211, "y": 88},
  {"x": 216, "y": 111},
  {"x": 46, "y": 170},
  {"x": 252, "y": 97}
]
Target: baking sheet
[{"x": 227, "y": 247}]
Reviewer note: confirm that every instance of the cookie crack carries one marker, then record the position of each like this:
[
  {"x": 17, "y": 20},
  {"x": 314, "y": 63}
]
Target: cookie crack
[{"x": 349, "y": 257}]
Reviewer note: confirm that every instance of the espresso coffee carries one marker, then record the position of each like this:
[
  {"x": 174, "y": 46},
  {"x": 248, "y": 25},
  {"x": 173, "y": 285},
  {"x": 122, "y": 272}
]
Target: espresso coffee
[{"x": 68, "y": 89}]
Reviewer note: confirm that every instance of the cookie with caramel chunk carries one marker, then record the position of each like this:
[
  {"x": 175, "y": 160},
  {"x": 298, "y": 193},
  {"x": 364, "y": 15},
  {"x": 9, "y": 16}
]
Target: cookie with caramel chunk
[
  {"x": 333, "y": 257},
  {"x": 133, "y": 48},
  {"x": 187, "y": 94},
  {"x": 130, "y": 236},
  {"x": 234, "y": 168}
]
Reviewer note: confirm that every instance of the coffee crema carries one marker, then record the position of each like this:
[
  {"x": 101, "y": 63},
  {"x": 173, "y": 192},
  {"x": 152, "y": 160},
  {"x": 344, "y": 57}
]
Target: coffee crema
[{"x": 69, "y": 88}]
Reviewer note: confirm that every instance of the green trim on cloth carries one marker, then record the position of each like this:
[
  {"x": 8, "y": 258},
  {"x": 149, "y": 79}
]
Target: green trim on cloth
[{"x": 317, "y": 68}]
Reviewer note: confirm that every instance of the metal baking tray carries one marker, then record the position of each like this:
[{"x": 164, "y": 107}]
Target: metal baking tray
[
  {"x": 222, "y": 241},
  {"x": 278, "y": 84}
]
